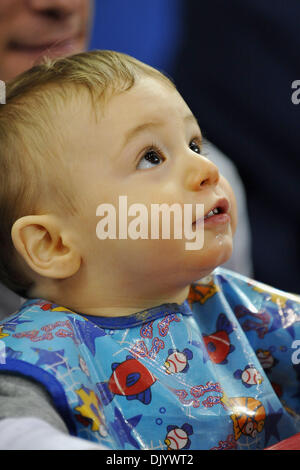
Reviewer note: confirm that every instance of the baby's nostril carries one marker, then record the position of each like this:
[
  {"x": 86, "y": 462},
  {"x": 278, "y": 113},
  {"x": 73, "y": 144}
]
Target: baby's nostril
[{"x": 204, "y": 182}]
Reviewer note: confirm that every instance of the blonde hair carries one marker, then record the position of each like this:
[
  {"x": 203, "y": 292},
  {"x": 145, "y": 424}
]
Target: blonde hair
[{"x": 30, "y": 141}]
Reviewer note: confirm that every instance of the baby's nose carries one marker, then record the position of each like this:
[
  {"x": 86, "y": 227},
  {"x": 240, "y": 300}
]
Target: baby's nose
[{"x": 202, "y": 173}]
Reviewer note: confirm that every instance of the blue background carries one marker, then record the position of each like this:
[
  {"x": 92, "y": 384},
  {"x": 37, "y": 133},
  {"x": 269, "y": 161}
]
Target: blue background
[{"x": 149, "y": 30}]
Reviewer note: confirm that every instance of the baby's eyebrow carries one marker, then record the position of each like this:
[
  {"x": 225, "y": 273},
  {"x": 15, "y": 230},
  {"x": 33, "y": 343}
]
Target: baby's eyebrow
[
  {"x": 141, "y": 127},
  {"x": 190, "y": 117}
]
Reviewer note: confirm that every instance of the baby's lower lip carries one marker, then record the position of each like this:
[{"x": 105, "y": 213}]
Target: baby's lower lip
[{"x": 217, "y": 219}]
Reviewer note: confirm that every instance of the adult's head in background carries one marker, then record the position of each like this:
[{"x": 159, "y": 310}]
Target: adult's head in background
[{"x": 30, "y": 29}]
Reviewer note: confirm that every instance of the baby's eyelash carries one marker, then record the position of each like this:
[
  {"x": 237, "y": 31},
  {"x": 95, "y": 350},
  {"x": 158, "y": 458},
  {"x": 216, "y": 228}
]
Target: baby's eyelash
[
  {"x": 204, "y": 150},
  {"x": 200, "y": 143},
  {"x": 153, "y": 149}
]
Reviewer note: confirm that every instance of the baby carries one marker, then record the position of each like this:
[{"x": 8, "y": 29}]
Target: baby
[{"x": 119, "y": 342}]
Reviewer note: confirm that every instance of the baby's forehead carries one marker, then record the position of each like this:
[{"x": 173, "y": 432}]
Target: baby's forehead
[
  {"x": 149, "y": 98},
  {"x": 87, "y": 117}
]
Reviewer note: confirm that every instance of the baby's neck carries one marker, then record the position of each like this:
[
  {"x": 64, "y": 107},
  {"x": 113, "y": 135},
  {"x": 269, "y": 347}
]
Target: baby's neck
[
  {"x": 113, "y": 305},
  {"x": 119, "y": 311}
]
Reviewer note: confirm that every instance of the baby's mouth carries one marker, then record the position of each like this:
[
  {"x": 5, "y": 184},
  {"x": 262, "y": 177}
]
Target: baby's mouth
[
  {"x": 215, "y": 211},
  {"x": 218, "y": 213}
]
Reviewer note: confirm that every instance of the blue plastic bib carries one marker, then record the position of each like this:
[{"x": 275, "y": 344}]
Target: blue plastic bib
[{"x": 219, "y": 371}]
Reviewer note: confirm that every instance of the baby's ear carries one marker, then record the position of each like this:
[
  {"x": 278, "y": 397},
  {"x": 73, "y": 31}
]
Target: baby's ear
[{"x": 46, "y": 246}]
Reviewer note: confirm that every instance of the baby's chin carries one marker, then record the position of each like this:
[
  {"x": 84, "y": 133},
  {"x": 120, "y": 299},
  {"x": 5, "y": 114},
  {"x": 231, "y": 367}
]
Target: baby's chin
[{"x": 215, "y": 256}]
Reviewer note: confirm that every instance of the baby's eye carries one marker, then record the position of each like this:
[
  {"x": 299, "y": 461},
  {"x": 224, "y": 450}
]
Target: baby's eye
[
  {"x": 149, "y": 159},
  {"x": 195, "y": 146}
]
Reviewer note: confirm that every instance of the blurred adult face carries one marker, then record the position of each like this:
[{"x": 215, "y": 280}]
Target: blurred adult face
[{"x": 31, "y": 29}]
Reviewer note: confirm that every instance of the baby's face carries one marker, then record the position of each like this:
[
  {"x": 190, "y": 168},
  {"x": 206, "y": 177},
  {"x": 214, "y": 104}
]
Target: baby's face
[{"x": 146, "y": 146}]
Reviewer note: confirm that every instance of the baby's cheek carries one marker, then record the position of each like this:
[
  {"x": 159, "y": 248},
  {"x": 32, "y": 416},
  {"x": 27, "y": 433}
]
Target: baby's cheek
[{"x": 233, "y": 204}]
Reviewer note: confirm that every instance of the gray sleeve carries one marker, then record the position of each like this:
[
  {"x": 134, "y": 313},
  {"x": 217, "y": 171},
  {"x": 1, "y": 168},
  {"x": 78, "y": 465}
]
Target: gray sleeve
[
  {"x": 9, "y": 302},
  {"x": 22, "y": 397}
]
